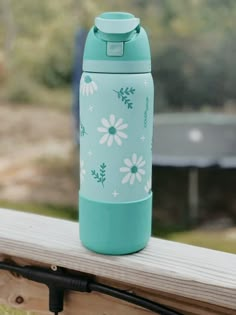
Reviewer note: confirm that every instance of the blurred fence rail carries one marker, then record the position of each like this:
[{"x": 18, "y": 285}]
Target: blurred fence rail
[{"x": 189, "y": 279}]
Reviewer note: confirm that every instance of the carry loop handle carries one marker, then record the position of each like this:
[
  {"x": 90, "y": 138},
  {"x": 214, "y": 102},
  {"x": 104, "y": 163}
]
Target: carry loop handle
[{"x": 117, "y": 25}]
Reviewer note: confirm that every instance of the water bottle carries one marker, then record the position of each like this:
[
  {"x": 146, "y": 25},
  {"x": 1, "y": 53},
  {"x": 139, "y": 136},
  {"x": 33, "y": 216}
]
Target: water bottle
[{"x": 116, "y": 127}]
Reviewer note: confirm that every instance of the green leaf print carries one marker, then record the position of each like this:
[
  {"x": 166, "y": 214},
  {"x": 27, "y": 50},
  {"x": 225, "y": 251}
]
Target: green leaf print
[
  {"x": 127, "y": 91},
  {"x": 123, "y": 94},
  {"x": 100, "y": 176},
  {"x": 132, "y": 90},
  {"x": 103, "y": 173},
  {"x": 82, "y": 130}
]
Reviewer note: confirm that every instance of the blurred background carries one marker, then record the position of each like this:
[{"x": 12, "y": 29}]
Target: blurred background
[{"x": 193, "y": 45}]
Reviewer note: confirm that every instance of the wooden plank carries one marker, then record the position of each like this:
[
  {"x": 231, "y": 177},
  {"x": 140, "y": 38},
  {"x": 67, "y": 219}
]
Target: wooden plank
[
  {"x": 23, "y": 294},
  {"x": 184, "y": 271},
  {"x": 20, "y": 293}
]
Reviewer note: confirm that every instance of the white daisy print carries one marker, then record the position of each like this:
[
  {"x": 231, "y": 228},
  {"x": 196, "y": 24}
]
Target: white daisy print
[
  {"x": 87, "y": 85},
  {"x": 133, "y": 168},
  {"x": 113, "y": 130},
  {"x": 148, "y": 186},
  {"x": 82, "y": 171}
]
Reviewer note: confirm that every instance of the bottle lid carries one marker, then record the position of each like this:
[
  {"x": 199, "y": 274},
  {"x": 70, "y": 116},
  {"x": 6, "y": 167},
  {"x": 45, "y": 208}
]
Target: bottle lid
[{"x": 117, "y": 44}]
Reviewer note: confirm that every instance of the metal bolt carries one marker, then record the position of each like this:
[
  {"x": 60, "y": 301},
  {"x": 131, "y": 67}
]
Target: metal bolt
[
  {"x": 19, "y": 299},
  {"x": 54, "y": 267}
]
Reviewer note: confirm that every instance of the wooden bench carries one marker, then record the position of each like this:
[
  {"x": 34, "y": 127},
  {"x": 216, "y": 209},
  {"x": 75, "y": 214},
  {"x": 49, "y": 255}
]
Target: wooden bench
[{"x": 189, "y": 279}]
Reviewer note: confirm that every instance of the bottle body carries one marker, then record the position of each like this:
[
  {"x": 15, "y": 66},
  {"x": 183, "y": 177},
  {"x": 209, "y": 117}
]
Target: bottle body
[{"x": 116, "y": 126}]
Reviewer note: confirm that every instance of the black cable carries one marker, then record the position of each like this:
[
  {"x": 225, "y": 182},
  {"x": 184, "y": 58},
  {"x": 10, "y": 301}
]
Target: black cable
[
  {"x": 134, "y": 299},
  {"x": 56, "y": 299},
  {"x": 13, "y": 268},
  {"x": 58, "y": 281},
  {"x": 41, "y": 275}
]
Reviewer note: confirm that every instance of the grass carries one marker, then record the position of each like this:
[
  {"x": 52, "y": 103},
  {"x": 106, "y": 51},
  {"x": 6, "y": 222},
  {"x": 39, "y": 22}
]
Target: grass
[
  {"x": 56, "y": 211},
  {"x": 25, "y": 91},
  {"x": 5, "y": 310},
  {"x": 218, "y": 240},
  {"x": 214, "y": 240}
]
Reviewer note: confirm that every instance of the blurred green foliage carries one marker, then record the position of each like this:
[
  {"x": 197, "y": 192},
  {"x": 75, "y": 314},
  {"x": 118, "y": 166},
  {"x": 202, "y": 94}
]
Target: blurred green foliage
[
  {"x": 217, "y": 240},
  {"x": 56, "y": 211},
  {"x": 193, "y": 46},
  {"x": 6, "y": 310}
]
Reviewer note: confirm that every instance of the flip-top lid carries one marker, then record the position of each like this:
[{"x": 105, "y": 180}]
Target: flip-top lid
[{"x": 117, "y": 44}]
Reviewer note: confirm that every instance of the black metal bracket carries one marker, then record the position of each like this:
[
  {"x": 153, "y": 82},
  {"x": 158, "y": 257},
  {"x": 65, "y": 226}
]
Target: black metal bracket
[{"x": 59, "y": 280}]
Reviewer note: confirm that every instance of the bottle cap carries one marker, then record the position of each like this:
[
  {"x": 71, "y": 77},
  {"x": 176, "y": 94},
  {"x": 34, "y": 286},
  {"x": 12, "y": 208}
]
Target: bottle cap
[{"x": 117, "y": 44}]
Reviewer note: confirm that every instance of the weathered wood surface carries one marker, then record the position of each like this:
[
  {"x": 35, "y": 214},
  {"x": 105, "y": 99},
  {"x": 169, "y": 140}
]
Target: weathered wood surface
[
  {"x": 191, "y": 279},
  {"x": 20, "y": 293}
]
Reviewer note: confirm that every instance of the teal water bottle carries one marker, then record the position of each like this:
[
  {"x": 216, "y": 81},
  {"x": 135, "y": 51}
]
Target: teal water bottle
[{"x": 116, "y": 126}]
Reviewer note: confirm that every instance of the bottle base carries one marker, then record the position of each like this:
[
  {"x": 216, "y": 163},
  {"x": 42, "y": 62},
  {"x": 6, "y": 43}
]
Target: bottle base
[
  {"x": 113, "y": 251},
  {"x": 115, "y": 228}
]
